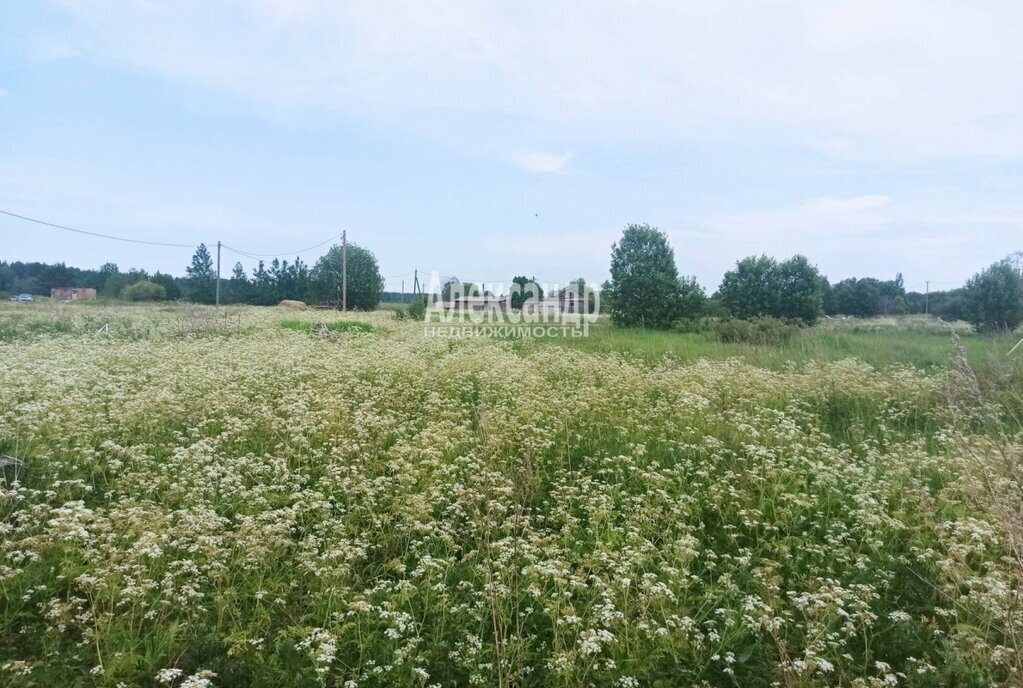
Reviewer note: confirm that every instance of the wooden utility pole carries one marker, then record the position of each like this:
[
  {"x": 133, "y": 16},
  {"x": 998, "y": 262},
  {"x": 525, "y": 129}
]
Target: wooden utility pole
[
  {"x": 344, "y": 270},
  {"x": 403, "y": 291},
  {"x": 218, "y": 273},
  {"x": 927, "y": 298}
]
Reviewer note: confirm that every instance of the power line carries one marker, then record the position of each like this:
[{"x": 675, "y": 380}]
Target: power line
[
  {"x": 147, "y": 242},
  {"x": 240, "y": 253},
  {"x": 256, "y": 256},
  {"x": 97, "y": 234}
]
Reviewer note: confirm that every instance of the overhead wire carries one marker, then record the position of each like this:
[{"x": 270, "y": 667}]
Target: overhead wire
[
  {"x": 97, "y": 234},
  {"x": 148, "y": 242},
  {"x": 253, "y": 255}
]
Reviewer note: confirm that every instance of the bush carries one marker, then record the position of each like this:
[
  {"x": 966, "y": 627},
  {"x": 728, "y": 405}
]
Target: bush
[
  {"x": 144, "y": 291},
  {"x": 692, "y": 325},
  {"x": 757, "y": 331},
  {"x": 417, "y": 308}
]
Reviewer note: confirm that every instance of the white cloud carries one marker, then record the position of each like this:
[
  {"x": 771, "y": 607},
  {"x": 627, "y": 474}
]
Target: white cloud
[
  {"x": 911, "y": 76},
  {"x": 831, "y": 214},
  {"x": 537, "y": 161}
]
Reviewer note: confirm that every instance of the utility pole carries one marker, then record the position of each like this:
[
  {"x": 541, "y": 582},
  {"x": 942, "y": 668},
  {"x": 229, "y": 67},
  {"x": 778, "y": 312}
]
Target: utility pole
[
  {"x": 415, "y": 284},
  {"x": 403, "y": 291},
  {"x": 927, "y": 298},
  {"x": 344, "y": 270},
  {"x": 218, "y": 273}
]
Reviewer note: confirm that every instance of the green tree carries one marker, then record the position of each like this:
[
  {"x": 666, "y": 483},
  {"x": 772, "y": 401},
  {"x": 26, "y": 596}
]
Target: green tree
[
  {"x": 692, "y": 297},
  {"x": 802, "y": 289},
  {"x": 238, "y": 286},
  {"x": 889, "y": 291},
  {"x": 262, "y": 288},
  {"x": 105, "y": 272},
  {"x": 455, "y": 288},
  {"x": 867, "y": 296},
  {"x": 859, "y": 297},
  {"x": 55, "y": 275},
  {"x": 753, "y": 288},
  {"x": 645, "y": 287},
  {"x": 581, "y": 292},
  {"x": 994, "y": 298},
  {"x": 527, "y": 288},
  {"x": 760, "y": 286},
  {"x": 144, "y": 290},
  {"x": 201, "y": 278},
  {"x": 606, "y": 297},
  {"x": 115, "y": 284},
  {"x": 364, "y": 280},
  {"x": 170, "y": 286}
]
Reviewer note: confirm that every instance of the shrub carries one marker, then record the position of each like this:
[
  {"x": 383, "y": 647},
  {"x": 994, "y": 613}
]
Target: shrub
[
  {"x": 417, "y": 308},
  {"x": 757, "y": 331},
  {"x": 144, "y": 291},
  {"x": 349, "y": 326}
]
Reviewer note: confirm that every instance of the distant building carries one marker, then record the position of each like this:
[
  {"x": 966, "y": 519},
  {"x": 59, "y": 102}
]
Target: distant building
[
  {"x": 563, "y": 302},
  {"x": 477, "y": 303},
  {"x": 72, "y": 294}
]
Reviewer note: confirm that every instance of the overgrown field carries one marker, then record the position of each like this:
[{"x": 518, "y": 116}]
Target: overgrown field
[{"x": 242, "y": 501}]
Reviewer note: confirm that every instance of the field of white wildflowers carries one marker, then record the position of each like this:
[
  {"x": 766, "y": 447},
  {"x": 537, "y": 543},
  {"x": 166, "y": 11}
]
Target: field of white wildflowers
[{"x": 244, "y": 504}]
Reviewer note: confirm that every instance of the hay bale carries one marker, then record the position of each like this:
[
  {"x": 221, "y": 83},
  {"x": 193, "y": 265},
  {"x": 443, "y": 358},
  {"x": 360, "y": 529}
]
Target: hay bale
[{"x": 289, "y": 303}]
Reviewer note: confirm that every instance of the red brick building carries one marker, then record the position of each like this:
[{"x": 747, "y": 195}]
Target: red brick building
[{"x": 72, "y": 294}]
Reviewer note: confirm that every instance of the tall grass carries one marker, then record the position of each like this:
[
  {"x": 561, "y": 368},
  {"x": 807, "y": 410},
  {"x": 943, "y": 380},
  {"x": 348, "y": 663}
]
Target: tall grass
[
  {"x": 878, "y": 347},
  {"x": 268, "y": 509}
]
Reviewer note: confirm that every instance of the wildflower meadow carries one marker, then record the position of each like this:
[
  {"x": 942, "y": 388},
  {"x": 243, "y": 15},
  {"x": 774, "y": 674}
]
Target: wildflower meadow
[{"x": 198, "y": 501}]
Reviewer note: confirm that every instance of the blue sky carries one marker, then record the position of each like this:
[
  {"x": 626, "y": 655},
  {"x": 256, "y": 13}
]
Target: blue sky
[{"x": 487, "y": 139}]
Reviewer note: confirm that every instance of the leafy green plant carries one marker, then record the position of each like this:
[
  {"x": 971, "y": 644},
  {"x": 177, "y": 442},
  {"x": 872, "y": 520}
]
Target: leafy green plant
[
  {"x": 417, "y": 308},
  {"x": 144, "y": 290},
  {"x": 764, "y": 331}
]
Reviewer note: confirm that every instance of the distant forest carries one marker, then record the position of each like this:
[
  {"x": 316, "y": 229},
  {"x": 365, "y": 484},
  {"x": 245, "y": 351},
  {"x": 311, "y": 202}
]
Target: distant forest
[{"x": 268, "y": 284}]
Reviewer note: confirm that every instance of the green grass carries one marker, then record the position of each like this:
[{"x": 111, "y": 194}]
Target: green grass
[
  {"x": 332, "y": 326},
  {"x": 925, "y": 350}
]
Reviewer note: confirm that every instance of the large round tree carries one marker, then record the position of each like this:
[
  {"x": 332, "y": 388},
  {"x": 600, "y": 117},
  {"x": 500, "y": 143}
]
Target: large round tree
[
  {"x": 994, "y": 298},
  {"x": 645, "y": 287},
  {"x": 760, "y": 285},
  {"x": 364, "y": 280}
]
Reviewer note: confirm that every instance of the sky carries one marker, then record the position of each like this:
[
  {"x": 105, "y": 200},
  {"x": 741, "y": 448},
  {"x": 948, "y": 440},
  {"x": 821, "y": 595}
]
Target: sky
[{"x": 487, "y": 139}]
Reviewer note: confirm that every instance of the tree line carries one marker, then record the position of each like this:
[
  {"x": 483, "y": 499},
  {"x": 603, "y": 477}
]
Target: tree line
[
  {"x": 269, "y": 283},
  {"x": 646, "y": 290}
]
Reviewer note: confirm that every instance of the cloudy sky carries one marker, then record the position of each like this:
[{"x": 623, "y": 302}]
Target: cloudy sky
[{"x": 487, "y": 139}]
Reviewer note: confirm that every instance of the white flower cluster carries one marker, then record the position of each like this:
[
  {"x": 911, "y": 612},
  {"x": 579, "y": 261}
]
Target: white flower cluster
[{"x": 385, "y": 509}]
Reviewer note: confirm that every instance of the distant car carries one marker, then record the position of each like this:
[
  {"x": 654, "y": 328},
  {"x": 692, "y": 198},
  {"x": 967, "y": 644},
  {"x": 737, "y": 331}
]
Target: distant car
[{"x": 26, "y": 297}]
